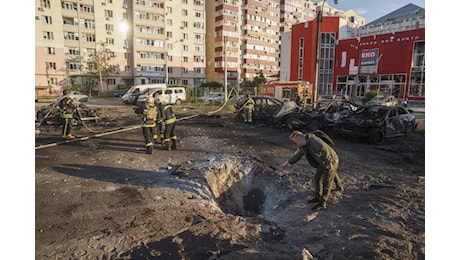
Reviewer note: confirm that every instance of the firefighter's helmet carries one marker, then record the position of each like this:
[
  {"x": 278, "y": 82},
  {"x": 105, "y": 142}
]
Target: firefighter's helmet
[
  {"x": 158, "y": 99},
  {"x": 150, "y": 101}
]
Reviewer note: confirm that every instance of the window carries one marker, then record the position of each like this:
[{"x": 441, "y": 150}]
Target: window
[
  {"x": 109, "y": 27},
  {"x": 184, "y": 1},
  {"x": 69, "y": 21},
  {"x": 111, "y": 82},
  {"x": 89, "y": 37},
  {"x": 169, "y": 22},
  {"x": 45, "y": 4},
  {"x": 72, "y": 51},
  {"x": 51, "y": 65},
  {"x": 169, "y": 10},
  {"x": 198, "y": 14},
  {"x": 47, "y": 19},
  {"x": 69, "y": 6},
  {"x": 184, "y": 24},
  {"x": 72, "y": 66},
  {"x": 52, "y": 81},
  {"x": 198, "y": 2},
  {"x": 87, "y": 9},
  {"x": 184, "y": 12},
  {"x": 169, "y": 34},
  {"x": 48, "y": 35},
  {"x": 71, "y": 36},
  {"x": 89, "y": 24},
  {"x": 199, "y": 36},
  {"x": 108, "y": 14},
  {"x": 127, "y": 68},
  {"x": 110, "y": 41},
  {"x": 50, "y": 51}
]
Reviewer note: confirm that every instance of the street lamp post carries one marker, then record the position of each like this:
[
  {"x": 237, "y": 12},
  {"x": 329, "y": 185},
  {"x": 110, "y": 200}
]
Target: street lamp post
[{"x": 319, "y": 19}]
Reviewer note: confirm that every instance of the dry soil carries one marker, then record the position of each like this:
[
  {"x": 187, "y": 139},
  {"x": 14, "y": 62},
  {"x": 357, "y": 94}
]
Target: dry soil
[{"x": 220, "y": 195}]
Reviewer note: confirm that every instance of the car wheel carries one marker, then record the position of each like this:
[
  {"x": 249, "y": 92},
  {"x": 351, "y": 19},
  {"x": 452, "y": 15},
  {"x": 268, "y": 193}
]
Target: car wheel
[
  {"x": 410, "y": 130},
  {"x": 178, "y": 102},
  {"x": 376, "y": 136}
]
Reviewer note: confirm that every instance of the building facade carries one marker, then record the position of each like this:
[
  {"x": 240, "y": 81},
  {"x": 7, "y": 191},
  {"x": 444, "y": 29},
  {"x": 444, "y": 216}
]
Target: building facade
[
  {"x": 178, "y": 42},
  {"x": 245, "y": 37},
  {"x": 145, "y": 41},
  {"x": 390, "y": 63}
]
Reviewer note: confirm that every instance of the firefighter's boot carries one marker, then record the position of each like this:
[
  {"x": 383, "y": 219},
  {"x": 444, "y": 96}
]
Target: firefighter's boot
[
  {"x": 168, "y": 144},
  {"x": 174, "y": 144}
]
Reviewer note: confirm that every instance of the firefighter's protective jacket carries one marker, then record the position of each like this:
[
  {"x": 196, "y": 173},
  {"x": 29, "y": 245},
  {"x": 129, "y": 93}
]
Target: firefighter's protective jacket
[
  {"x": 67, "y": 106},
  {"x": 149, "y": 115}
]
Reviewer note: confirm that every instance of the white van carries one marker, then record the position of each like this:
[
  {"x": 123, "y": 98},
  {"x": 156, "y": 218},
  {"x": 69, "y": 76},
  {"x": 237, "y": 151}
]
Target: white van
[
  {"x": 138, "y": 89},
  {"x": 174, "y": 95}
]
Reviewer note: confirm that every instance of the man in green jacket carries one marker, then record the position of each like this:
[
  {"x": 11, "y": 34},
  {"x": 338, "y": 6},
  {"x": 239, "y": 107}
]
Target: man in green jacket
[{"x": 326, "y": 160}]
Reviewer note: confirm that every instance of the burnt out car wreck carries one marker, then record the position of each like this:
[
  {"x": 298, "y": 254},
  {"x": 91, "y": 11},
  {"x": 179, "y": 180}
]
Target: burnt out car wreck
[
  {"x": 51, "y": 115},
  {"x": 372, "y": 123},
  {"x": 376, "y": 123}
]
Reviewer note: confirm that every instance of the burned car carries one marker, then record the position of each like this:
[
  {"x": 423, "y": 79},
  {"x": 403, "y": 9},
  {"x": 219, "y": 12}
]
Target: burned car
[
  {"x": 51, "y": 114},
  {"x": 264, "y": 108},
  {"x": 377, "y": 123},
  {"x": 292, "y": 117}
]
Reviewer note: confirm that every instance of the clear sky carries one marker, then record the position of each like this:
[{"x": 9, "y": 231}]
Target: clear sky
[{"x": 373, "y": 9}]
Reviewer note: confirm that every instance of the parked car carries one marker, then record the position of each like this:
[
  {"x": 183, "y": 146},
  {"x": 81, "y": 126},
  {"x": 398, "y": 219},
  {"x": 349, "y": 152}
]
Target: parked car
[
  {"x": 119, "y": 93},
  {"x": 264, "y": 108},
  {"x": 377, "y": 123},
  {"x": 78, "y": 96},
  {"x": 383, "y": 100},
  {"x": 171, "y": 95},
  {"x": 214, "y": 98}
]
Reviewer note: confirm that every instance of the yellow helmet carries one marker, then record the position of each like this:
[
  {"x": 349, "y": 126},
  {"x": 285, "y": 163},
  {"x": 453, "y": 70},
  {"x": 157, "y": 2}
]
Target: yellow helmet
[
  {"x": 150, "y": 101},
  {"x": 158, "y": 99}
]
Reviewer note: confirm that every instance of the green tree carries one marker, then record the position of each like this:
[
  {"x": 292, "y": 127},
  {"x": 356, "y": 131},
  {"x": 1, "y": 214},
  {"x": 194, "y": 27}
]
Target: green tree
[
  {"x": 212, "y": 86},
  {"x": 257, "y": 80},
  {"x": 101, "y": 59}
]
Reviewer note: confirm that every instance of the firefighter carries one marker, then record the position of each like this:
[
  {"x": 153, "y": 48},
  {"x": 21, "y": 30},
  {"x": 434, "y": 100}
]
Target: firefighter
[
  {"x": 67, "y": 106},
  {"x": 248, "y": 107},
  {"x": 149, "y": 117},
  {"x": 170, "y": 138},
  {"x": 159, "y": 133}
]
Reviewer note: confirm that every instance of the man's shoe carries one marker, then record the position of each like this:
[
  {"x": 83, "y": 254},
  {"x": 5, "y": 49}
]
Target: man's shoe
[
  {"x": 314, "y": 200},
  {"x": 318, "y": 207}
]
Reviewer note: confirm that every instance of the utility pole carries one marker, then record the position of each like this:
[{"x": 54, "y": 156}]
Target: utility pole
[
  {"x": 225, "y": 68},
  {"x": 319, "y": 19}
]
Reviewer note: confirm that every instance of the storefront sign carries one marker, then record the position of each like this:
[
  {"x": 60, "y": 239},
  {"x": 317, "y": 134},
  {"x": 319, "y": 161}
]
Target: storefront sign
[{"x": 369, "y": 61}]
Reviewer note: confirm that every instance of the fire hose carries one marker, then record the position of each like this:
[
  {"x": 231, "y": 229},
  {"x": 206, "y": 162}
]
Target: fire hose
[{"x": 114, "y": 131}]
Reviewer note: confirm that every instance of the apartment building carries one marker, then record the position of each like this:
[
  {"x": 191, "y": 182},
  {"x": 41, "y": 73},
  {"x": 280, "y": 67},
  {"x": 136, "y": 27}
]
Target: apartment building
[
  {"x": 408, "y": 17},
  {"x": 146, "y": 41},
  {"x": 168, "y": 42},
  {"x": 184, "y": 42},
  {"x": 67, "y": 36},
  {"x": 244, "y": 37}
]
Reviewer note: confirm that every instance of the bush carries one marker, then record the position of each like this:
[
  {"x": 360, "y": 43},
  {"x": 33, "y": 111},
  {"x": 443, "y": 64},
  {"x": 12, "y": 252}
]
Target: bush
[{"x": 369, "y": 95}]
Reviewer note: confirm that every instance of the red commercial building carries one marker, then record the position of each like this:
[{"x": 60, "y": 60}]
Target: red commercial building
[{"x": 391, "y": 63}]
